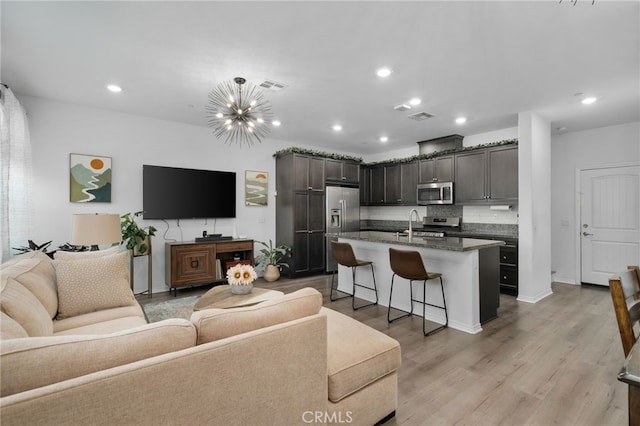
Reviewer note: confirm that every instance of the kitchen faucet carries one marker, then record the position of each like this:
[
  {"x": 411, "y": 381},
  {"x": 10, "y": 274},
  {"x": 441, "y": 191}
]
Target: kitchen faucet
[{"x": 411, "y": 224}]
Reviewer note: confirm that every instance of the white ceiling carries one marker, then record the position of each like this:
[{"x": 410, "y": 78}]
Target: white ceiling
[{"x": 484, "y": 60}]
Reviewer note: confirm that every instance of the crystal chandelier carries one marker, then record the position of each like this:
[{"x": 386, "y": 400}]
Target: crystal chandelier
[{"x": 238, "y": 112}]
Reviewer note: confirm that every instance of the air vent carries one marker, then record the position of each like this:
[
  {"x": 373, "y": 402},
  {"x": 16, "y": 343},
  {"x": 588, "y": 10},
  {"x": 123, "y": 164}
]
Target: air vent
[
  {"x": 402, "y": 107},
  {"x": 420, "y": 116},
  {"x": 272, "y": 85}
]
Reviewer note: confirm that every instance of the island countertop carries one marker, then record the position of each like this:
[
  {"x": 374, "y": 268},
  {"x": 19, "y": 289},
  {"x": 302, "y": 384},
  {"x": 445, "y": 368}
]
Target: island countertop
[{"x": 444, "y": 243}]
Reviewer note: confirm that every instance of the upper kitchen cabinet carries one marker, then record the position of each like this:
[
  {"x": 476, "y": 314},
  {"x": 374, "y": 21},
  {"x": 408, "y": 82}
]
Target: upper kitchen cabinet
[
  {"x": 376, "y": 185},
  {"x": 308, "y": 173},
  {"x": 393, "y": 184},
  {"x": 365, "y": 186},
  {"x": 341, "y": 171},
  {"x": 409, "y": 177},
  {"x": 487, "y": 176},
  {"x": 439, "y": 169}
]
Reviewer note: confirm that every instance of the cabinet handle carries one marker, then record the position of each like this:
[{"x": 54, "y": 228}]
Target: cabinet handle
[
  {"x": 344, "y": 178},
  {"x": 194, "y": 264},
  {"x": 504, "y": 277},
  {"x": 435, "y": 179},
  {"x": 310, "y": 188}
]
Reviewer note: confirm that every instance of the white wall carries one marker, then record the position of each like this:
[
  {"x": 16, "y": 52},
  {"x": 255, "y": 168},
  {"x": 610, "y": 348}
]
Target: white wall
[
  {"x": 569, "y": 152},
  {"x": 58, "y": 129}
]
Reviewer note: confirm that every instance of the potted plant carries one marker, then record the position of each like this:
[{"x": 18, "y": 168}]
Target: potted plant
[
  {"x": 133, "y": 235},
  {"x": 272, "y": 259}
]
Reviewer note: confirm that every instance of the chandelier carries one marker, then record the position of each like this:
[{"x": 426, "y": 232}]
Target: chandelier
[{"x": 238, "y": 112}]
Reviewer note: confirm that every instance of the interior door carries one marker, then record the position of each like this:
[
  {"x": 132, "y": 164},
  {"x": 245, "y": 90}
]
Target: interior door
[{"x": 610, "y": 222}]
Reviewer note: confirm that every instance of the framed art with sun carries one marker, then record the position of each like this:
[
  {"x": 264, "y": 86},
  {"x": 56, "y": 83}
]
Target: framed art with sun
[
  {"x": 256, "y": 186},
  {"x": 89, "y": 179}
]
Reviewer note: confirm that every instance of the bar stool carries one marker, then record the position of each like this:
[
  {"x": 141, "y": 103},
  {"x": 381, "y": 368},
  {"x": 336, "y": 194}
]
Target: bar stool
[
  {"x": 343, "y": 254},
  {"x": 409, "y": 265}
]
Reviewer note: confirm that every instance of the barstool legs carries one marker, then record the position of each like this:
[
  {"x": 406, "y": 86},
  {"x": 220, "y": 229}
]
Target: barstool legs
[
  {"x": 424, "y": 307},
  {"x": 353, "y": 301}
]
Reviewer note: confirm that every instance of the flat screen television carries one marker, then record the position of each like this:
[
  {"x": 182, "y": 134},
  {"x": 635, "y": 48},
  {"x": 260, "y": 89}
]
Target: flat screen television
[{"x": 176, "y": 193}]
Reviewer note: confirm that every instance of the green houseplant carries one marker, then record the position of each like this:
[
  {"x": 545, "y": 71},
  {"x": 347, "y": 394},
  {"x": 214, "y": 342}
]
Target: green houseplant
[
  {"x": 272, "y": 259},
  {"x": 133, "y": 235}
]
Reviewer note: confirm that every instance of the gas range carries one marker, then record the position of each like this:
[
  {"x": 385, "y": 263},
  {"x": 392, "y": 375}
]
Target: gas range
[{"x": 437, "y": 227}]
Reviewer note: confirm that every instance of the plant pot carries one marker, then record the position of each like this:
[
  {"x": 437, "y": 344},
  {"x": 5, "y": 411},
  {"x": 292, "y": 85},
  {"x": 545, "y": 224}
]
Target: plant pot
[
  {"x": 241, "y": 289},
  {"x": 136, "y": 249},
  {"x": 271, "y": 273}
]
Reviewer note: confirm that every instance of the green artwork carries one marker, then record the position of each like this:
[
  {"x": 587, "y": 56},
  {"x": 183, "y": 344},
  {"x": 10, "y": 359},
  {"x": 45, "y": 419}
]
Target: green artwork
[{"x": 89, "y": 179}]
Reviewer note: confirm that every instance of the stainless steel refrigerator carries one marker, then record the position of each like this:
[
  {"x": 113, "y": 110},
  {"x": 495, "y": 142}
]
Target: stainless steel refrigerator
[{"x": 342, "y": 214}]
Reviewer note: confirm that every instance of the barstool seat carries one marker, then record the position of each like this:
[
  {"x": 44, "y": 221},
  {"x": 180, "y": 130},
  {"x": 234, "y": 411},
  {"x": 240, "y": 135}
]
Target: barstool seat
[
  {"x": 409, "y": 265},
  {"x": 344, "y": 255}
]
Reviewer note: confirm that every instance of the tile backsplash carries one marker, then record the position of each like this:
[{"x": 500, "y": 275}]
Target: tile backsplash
[{"x": 469, "y": 214}]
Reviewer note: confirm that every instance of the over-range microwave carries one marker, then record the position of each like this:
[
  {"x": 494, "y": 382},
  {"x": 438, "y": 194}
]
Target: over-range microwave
[{"x": 435, "y": 193}]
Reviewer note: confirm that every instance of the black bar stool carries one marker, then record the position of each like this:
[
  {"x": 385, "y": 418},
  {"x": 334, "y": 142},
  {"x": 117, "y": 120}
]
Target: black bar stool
[
  {"x": 343, "y": 253},
  {"x": 409, "y": 265}
]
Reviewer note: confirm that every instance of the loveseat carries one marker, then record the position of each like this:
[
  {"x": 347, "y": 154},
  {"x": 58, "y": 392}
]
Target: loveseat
[{"x": 76, "y": 349}]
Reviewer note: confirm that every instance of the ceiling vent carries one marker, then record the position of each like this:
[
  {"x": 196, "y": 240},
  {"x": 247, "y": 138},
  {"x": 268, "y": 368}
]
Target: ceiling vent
[
  {"x": 272, "y": 85},
  {"x": 402, "y": 107},
  {"x": 420, "y": 116}
]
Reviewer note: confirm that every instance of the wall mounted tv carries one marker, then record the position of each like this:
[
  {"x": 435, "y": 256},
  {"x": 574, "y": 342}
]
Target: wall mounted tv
[{"x": 176, "y": 193}]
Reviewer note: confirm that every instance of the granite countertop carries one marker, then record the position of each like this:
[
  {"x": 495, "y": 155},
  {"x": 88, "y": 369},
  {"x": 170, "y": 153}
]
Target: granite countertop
[
  {"x": 459, "y": 234},
  {"x": 446, "y": 243}
]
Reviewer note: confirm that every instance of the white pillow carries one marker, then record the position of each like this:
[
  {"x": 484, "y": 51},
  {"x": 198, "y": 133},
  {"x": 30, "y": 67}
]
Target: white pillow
[{"x": 93, "y": 284}]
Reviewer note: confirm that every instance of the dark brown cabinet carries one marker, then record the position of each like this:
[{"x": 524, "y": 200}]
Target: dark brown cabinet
[
  {"x": 509, "y": 268},
  {"x": 377, "y": 186},
  {"x": 308, "y": 172},
  {"x": 300, "y": 181},
  {"x": 391, "y": 184},
  {"x": 342, "y": 171},
  {"x": 439, "y": 169},
  {"x": 486, "y": 176},
  {"x": 409, "y": 177},
  {"x": 191, "y": 263}
]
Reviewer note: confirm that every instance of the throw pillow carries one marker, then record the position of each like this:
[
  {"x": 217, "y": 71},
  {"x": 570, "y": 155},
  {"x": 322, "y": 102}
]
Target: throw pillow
[
  {"x": 25, "y": 309},
  {"x": 73, "y": 255},
  {"x": 92, "y": 284},
  {"x": 36, "y": 273},
  {"x": 216, "y": 324}
]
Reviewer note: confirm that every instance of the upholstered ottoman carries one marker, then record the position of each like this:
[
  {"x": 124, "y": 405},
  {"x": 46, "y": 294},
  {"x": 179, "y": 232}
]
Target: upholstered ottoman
[{"x": 362, "y": 368}]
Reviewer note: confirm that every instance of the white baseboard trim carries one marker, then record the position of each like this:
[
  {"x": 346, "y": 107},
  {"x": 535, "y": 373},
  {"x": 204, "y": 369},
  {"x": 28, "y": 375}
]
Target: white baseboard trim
[
  {"x": 565, "y": 280},
  {"x": 536, "y": 298}
]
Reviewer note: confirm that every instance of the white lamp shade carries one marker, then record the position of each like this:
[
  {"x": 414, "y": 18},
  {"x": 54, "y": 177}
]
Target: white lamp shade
[{"x": 95, "y": 229}]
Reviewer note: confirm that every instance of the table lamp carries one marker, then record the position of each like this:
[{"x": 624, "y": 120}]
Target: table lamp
[{"x": 94, "y": 229}]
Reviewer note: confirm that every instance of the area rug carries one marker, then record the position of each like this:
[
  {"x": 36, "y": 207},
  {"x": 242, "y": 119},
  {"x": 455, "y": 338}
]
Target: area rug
[{"x": 176, "y": 308}]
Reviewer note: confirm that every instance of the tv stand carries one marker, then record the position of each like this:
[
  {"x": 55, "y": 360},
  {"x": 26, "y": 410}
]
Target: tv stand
[{"x": 191, "y": 263}]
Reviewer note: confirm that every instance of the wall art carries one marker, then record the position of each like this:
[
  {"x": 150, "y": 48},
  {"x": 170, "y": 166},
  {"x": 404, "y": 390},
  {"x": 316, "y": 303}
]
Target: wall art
[
  {"x": 256, "y": 186},
  {"x": 89, "y": 179}
]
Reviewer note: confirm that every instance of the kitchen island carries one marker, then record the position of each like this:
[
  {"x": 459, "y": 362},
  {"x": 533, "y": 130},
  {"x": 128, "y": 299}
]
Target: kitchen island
[{"x": 470, "y": 269}]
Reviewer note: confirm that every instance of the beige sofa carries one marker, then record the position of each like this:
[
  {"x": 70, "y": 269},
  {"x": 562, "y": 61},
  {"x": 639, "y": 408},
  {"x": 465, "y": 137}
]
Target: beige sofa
[{"x": 75, "y": 356}]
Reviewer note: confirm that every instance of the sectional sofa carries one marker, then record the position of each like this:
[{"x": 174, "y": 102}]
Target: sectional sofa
[{"x": 76, "y": 349}]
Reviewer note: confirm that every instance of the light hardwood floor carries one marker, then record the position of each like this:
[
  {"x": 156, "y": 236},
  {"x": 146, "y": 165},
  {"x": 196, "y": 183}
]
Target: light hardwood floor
[{"x": 550, "y": 363}]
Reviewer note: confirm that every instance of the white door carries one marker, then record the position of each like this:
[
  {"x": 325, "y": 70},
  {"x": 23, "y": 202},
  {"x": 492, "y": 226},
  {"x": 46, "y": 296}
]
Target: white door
[{"x": 610, "y": 222}]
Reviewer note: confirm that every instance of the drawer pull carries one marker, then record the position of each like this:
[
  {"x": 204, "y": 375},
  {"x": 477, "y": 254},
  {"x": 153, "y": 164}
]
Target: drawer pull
[{"x": 194, "y": 264}]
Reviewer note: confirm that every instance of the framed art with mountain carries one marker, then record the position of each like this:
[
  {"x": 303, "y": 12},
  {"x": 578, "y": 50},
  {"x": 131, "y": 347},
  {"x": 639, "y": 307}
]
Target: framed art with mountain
[{"x": 89, "y": 179}]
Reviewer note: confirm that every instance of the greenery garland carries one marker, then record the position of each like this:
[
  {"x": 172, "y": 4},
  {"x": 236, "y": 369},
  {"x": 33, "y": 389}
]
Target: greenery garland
[{"x": 334, "y": 156}]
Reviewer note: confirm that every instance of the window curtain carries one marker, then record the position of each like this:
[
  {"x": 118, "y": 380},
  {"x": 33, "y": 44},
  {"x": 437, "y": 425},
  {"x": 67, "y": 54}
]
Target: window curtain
[{"x": 17, "y": 175}]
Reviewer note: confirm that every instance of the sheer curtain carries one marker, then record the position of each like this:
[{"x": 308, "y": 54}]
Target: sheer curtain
[{"x": 16, "y": 181}]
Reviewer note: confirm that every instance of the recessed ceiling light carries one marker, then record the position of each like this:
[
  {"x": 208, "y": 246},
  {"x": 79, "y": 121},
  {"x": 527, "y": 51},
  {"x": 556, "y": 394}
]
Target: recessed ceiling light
[
  {"x": 337, "y": 127},
  {"x": 384, "y": 139},
  {"x": 114, "y": 88},
  {"x": 415, "y": 101},
  {"x": 461, "y": 120},
  {"x": 383, "y": 72},
  {"x": 276, "y": 123},
  {"x": 589, "y": 100}
]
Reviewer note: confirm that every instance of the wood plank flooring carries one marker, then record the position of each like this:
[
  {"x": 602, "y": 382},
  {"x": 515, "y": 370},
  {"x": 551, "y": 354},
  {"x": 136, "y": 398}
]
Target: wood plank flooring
[{"x": 550, "y": 363}]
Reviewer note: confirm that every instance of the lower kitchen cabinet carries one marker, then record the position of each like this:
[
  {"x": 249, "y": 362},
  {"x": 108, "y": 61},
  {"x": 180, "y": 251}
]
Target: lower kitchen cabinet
[{"x": 509, "y": 268}]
